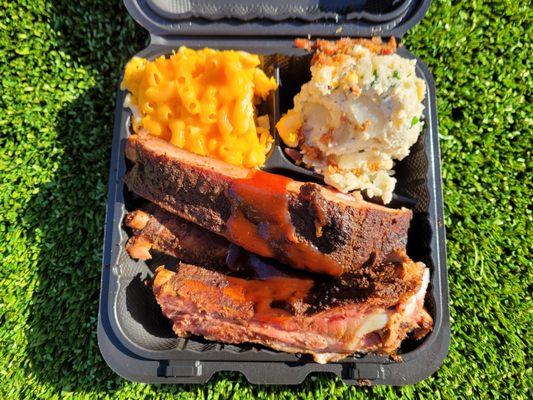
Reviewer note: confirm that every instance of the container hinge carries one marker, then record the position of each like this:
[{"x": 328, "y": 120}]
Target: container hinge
[
  {"x": 179, "y": 369},
  {"x": 367, "y": 372}
]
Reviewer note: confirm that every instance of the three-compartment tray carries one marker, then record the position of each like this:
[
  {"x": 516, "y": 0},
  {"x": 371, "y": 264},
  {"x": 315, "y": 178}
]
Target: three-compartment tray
[{"x": 137, "y": 341}]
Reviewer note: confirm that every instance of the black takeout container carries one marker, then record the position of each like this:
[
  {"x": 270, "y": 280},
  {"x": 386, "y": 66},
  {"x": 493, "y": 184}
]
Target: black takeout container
[{"x": 135, "y": 339}]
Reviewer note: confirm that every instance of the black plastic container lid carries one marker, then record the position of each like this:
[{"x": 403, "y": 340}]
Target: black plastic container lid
[{"x": 362, "y": 18}]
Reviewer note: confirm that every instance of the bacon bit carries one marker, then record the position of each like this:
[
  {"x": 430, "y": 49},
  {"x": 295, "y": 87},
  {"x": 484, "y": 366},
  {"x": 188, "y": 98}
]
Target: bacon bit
[
  {"x": 301, "y": 137},
  {"x": 321, "y": 59},
  {"x": 362, "y": 127},
  {"x": 390, "y": 48},
  {"x": 423, "y": 330},
  {"x": 312, "y": 153},
  {"x": 331, "y": 160},
  {"x": 328, "y": 48},
  {"x": 344, "y": 119},
  {"x": 327, "y": 137}
]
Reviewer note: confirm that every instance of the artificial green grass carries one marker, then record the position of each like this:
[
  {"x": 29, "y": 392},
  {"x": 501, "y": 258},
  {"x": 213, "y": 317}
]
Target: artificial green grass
[{"x": 59, "y": 63}]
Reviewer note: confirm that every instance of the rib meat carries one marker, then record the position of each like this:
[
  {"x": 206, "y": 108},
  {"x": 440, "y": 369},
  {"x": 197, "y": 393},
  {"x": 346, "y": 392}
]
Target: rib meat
[
  {"x": 303, "y": 225},
  {"x": 154, "y": 228},
  {"x": 281, "y": 312},
  {"x": 251, "y": 299}
]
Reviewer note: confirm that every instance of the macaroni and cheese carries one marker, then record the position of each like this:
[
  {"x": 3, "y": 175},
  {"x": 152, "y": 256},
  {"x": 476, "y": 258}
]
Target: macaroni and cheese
[{"x": 202, "y": 101}]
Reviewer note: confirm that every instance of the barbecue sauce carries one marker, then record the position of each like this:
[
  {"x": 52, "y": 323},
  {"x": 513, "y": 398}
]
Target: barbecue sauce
[
  {"x": 260, "y": 222},
  {"x": 265, "y": 293},
  {"x": 244, "y": 232}
]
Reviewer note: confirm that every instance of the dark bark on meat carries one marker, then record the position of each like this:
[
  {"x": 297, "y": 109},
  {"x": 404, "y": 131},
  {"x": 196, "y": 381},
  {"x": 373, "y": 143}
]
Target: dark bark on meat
[
  {"x": 352, "y": 233},
  {"x": 166, "y": 233},
  {"x": 188, "y": 242}
]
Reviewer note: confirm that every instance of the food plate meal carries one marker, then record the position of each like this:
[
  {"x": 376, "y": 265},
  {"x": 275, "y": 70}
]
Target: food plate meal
[
  {"x": 274, "y": 212},
  {"x": 195, "y": 154}
]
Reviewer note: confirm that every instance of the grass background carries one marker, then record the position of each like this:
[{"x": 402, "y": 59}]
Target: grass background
[{"x": 59, "y": 62}]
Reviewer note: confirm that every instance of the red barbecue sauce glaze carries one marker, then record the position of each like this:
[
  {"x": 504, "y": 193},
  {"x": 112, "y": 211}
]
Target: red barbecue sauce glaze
[
  {"x": 263, "y": 293},
  {"x": 260, "y": 222}
]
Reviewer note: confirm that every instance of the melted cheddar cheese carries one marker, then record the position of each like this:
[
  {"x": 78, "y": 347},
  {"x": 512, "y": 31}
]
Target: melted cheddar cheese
[{"x": 202, "y": 101}]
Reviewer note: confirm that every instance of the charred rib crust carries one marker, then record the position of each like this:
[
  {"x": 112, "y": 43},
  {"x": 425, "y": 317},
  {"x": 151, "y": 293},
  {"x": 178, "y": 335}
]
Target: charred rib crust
[
  {"x": 349, "y": 235},
  {"x": 187, "y": 192},
  {"x": 176, "y": 237},
  {"x": 381, "y": 285}
]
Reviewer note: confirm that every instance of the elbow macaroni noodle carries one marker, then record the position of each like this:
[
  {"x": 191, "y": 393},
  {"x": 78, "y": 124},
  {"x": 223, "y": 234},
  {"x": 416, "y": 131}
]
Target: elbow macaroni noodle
[{"x": 202, "y": 101}]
